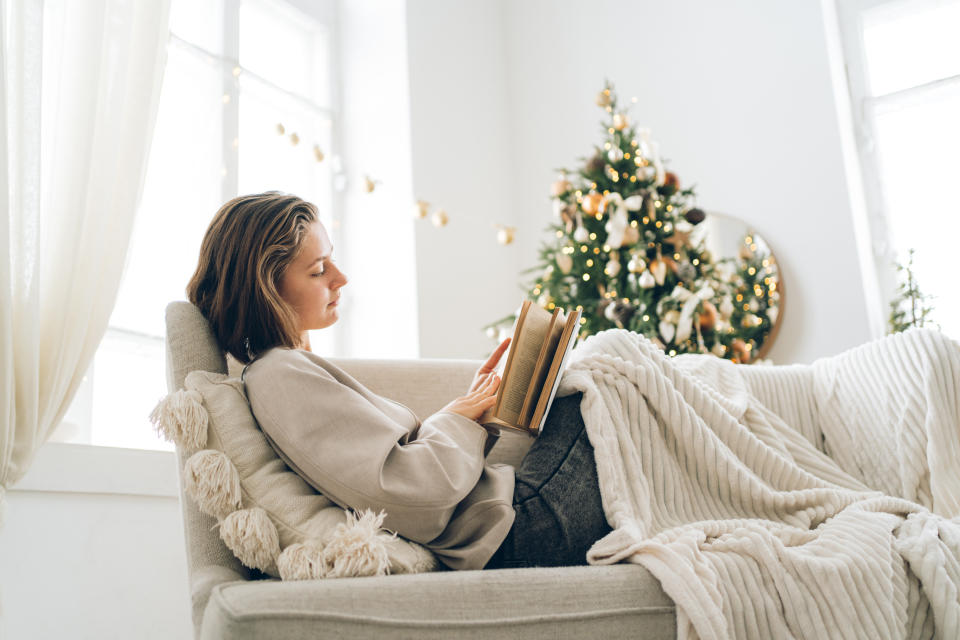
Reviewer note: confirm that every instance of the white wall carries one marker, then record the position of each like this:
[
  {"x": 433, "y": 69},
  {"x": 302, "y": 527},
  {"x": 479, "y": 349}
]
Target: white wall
[
  {"x": 377, "y": 240},
  {"x": 463, "y": 148},
  {"x": 93, "y": 548},
  {"x": 738, "y": 94}
]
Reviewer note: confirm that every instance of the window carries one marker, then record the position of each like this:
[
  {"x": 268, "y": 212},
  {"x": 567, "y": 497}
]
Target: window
[
  {"x": 246, "y": 106},
  {"x": 903, "y": 69}
]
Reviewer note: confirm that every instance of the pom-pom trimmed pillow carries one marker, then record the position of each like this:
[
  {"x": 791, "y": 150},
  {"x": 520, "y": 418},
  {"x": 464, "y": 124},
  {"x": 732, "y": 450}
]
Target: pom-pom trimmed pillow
[{"x": 269, "y": 517}]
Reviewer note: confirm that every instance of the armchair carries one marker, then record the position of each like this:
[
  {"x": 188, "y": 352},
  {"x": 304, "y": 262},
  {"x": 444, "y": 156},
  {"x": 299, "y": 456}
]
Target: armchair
[{"x": 232, "y": 601}]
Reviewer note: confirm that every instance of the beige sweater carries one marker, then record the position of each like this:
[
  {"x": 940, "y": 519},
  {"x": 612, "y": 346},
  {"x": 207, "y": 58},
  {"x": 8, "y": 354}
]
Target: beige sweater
[{"x": 365, "y": 451}]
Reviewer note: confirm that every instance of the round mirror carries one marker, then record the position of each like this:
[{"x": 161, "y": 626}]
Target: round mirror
[{"x": 745, "y": 260}]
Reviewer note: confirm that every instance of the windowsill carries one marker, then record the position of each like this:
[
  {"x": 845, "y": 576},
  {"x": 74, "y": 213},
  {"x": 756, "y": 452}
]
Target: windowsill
[{"x": 82, "y": 468}]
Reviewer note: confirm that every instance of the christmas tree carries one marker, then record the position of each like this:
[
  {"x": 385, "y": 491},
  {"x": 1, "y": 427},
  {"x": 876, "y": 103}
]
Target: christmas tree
[
  {"x": 909, "y": 306},
  {"x": 625, "y": 251}
]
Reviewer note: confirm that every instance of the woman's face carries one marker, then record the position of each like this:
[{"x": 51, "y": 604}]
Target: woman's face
[{"x": 311, "y": 284}]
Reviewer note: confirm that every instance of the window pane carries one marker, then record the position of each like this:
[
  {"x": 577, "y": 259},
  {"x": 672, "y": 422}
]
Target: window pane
[
  {"x": 919, "y": 166},
  {"x": 285, "y": 47},
  {"x": 911, "y": 43},
  {"x": 181, "y": 193},
  {"x": 199, "y": 23},
  {"x": 129, "y": 379}
]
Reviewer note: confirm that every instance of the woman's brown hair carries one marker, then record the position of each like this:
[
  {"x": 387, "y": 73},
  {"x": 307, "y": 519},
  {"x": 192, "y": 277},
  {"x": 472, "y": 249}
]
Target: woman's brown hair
[{"x": 248, "y": 246}]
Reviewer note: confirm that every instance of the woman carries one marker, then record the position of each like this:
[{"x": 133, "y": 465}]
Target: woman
[{"x": 266, "y": 276}]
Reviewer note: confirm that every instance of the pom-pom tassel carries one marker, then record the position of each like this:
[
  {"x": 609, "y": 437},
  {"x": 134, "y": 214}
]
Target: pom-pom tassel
[
  {"x": 302, "y": 561},
  {"x": 357, "y": 547},
  {"x": 210, "y": 478},
  {"x": 180, "y": 418},
  {"x": 253, "y": 538}
]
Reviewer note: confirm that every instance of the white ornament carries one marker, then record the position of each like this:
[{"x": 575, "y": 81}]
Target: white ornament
[
  {"x": 491, "y": 332},
  {"x": 503, "y": 334},
  {"x": 772, "y": 313},
  {"x": 565, "y": 262},
  {"x": 440, "y": 218},
  {"x": 548, "y": 272},
  {"x": 646, "y": 280},
  {"x": 631, "y": 235},
  {"x": 558, "y": 206},
  {"x": 666, "y": 331},
  {"x": 608, "y": 313},
  {"x": 726, "y": 307},
  {"x": 616, "y": 227},
  {"x": 615, "y": 154},
  {"x": 420, "y": 209},
  {"x": 612, "y": 268},
  {"x": 543, "y": 300},
  {"x": 719, "y": 350},
  {"x": 754, "y": 305},
  {"x": 636, "y": 265},
  {"x": 581, "y": 234},
  {"x": 672, "y": 316},
  {"x": 633, "y": 203}
]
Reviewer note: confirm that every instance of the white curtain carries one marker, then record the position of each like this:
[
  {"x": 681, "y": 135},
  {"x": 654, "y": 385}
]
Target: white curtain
[{"x": 79, "y": 88}]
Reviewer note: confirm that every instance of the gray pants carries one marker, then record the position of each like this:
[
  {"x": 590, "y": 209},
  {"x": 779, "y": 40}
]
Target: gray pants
[{"x": 556, "y": 498}]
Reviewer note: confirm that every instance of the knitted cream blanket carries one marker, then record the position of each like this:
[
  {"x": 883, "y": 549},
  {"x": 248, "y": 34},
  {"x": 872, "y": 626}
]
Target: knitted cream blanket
[{"x": 752, "y": 529}]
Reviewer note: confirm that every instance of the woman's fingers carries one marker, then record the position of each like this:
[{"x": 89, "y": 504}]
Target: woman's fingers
[{"x": 489, "y": 382}]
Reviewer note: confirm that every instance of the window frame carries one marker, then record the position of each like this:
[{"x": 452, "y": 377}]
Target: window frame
[{"x": 874, "y": 233}]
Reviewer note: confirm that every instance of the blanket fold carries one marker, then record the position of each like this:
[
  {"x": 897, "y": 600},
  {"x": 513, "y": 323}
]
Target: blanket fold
[{"x": 836, "y": 527}]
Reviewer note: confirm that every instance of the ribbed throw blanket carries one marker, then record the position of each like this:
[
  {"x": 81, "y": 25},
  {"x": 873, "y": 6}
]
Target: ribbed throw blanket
[{"x": 808, "y": 501}]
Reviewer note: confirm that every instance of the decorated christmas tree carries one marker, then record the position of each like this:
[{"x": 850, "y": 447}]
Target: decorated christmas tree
[{"x": 625, "y": 250}]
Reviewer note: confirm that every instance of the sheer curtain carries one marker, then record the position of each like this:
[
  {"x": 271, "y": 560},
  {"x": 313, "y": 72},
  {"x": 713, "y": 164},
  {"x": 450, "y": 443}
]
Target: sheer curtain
[{"x": 79, "y": 88}]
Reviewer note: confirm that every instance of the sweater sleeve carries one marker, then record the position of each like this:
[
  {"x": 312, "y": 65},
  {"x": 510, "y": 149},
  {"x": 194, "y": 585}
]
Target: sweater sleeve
[{"x": 357, "y": 455}]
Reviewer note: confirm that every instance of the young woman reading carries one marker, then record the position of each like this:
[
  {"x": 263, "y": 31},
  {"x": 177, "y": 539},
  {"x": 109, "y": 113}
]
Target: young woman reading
[{"x": 265, "y": 277}]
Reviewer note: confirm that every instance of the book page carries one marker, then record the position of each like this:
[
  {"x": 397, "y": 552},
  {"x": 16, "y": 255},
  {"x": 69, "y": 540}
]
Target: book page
[
  {"x": 540, "y": 370},
  {"x": 525, "y": 348},
  {"x": 568, "y": 340}
]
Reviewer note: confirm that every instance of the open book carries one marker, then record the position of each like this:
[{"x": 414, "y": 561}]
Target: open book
[{"x": 531, "y": 371}]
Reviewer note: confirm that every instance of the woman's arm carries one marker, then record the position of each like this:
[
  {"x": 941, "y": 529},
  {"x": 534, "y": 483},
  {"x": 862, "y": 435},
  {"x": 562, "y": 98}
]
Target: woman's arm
[{"x": 354, "y": 453}]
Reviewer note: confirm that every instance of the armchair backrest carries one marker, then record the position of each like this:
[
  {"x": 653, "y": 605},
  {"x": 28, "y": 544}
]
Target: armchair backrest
[{"x": 190, "y": 346}]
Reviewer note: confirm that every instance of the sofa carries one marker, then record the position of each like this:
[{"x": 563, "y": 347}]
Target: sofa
[{"x": 230, "y": 600}]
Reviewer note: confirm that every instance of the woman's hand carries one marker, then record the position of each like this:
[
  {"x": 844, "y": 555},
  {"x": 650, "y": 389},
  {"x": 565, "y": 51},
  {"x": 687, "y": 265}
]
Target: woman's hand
[
  {"x": 478, "y": 400},
  {"x": 489, "y": 365}
]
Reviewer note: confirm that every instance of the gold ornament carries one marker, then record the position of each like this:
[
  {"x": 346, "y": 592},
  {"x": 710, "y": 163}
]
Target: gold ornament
[
  {"x": 678, "y": 239},
  {"x": 741, "y": 351},
  {"x": 708, "y": 317},
  {"x": 318, "y": 153},
  {"x": 440, "y": 218},
  {"x": 369, "y": 184},
  {"x": 592, "y": 203},
  {"x": 281, "y": 129},
  {"x": 603, "y": 98},
  {"x": 505, "y": 234},
  {"x": 420, "y": 209},
  {"x": 620, "y": 121},
  {"x": 631, "y": 235},
  {"x": 659, "y": 270},
  {"x": 564, "y": 262},
  {"x": 294, "y": 139},
  {"x": 560, "y": 187}
]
